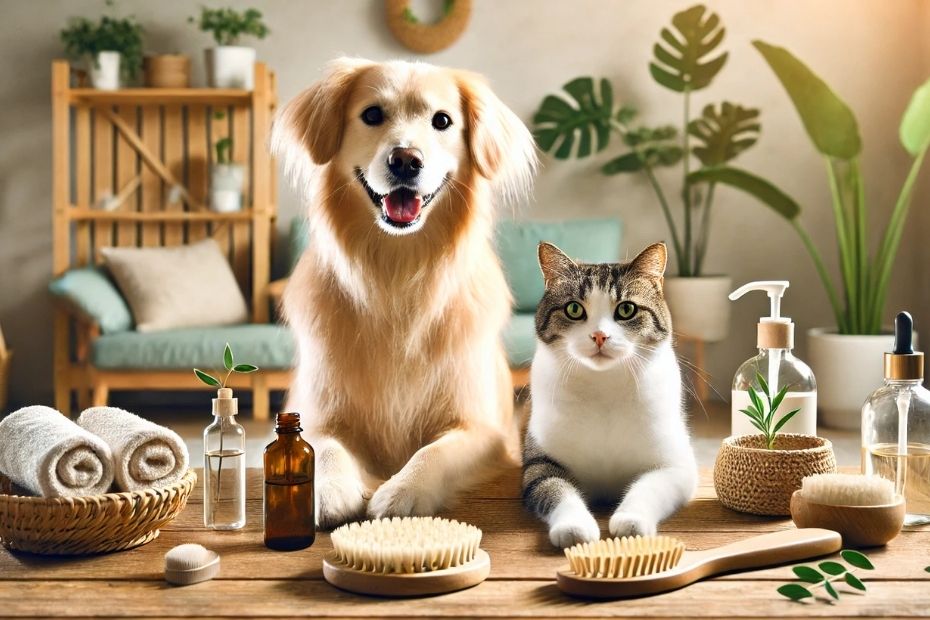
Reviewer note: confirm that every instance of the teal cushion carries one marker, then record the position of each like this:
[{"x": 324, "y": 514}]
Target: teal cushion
[
  {"x": 590, "y": 241},
  {"x": 265, "y": 345},
  {"x": 520, "y": 339},
  {"x": 298, "y": 239},
  {"x": 93, "y": 293}
]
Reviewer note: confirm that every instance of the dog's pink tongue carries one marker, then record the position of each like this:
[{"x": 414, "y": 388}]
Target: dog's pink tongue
[{"x": 403, "y": 205}]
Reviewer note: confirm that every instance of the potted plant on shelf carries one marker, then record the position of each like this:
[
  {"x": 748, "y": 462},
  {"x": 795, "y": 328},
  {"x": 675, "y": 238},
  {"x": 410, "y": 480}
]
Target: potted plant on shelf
[
  {"x": 167, "y": 70},
  {"x": 226, "y": 178},
  {"x": 685, "y": 60},
  {"x": 110, "y": 49},
  {"x": 758, "y": 473},
  {"x": 846, "y": 358},
  {"x": 230, "y": 65}
]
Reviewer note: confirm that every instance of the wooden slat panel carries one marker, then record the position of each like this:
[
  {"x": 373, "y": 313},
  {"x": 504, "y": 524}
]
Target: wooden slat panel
[
  {"x": 103, "y": 179},
  {"x": 197, "y": 164},
  {"x": 127, "y": 166},
  {"x": 241, "y": 231},
  {"x": 82, "y": 154},
  {"x": 61, "y": 238},
  {"x": 174, "y": 160},
  {"x": 219, "y": 129},
  {"x": 151, "y": 182},
  {"x": 161, "y": 96},
  {"x": 263, "y": 209}
]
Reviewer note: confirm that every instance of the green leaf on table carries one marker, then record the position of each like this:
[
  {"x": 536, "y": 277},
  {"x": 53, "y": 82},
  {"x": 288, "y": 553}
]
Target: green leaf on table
[
  {"x": 755, "y": 186},
  {"x": 681, "y": 62},
  {"x": 915, "y": 124},
  {"x": 795, "y": 591},
  {"x": 725, "y": 133},
  {"x": 583, "y": 118},
  {"x": 808, "y": 574},
  {"x": 245, "y": 368},
  {"x": 831, "y": 590},
  {"x": 854, "y": 581},
  {"x": 829, "y": 122},
  {"x": 857, "y": 559},
  {"x": 228, "y": 357},
  {"x": 832, "y": 568},
  {"x": 207, "y": 378}
]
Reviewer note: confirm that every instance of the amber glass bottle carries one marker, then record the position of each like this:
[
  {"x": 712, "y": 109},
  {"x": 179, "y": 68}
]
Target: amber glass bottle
[{"x": 289, "y": 513}]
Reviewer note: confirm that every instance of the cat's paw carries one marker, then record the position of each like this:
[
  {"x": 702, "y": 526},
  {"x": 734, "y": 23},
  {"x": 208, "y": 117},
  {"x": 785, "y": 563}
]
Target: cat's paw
[
  {"x": 398, "y": 498},
  {"x": 340, "y": 499},
  {"x": 571, "y": 531},
  {"x": 631, "y": 524}
]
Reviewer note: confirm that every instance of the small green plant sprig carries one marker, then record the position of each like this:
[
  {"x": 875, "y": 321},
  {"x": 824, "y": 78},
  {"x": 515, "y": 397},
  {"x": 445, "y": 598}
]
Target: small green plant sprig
[
  {"x": 228, "y": 25},
  {"x": 230, "y": 366},
  {"x": 762, "y": 418},
  {"x": 223, "y": 146},
  {"x": 833, "y": 572},
  {"x": 85, "y": 38}
]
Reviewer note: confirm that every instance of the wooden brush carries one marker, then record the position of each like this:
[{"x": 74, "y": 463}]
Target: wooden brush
[
  {"x": 412, "y": 556},
  {"x": 639, "y": 566},
  {"x": 865, "y": 510}
]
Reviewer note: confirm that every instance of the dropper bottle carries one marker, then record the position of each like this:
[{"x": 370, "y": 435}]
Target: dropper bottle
[
  {"x": 224, "y": 466},
  {"x": 778, "y": 365},
  {"x": 896, "y": 425}
]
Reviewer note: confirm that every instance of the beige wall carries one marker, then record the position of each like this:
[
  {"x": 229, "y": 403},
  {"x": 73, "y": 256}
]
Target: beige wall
[{"x": 874, "y": 52}]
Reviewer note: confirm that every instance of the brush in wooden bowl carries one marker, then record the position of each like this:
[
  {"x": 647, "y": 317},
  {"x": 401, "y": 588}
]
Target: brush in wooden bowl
[{"x": 865, "y": 510}]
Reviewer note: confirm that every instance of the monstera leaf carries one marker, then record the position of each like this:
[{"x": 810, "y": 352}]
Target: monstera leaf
[
  {"x": 652, "y": 147},
  {"x": 724, "y": 133},
  {"x": 583, "y": 119},
  {"x": 681, "y": 63}
]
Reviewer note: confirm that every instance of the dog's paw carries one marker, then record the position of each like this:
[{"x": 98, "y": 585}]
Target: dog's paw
[
  {"x": 397, "y": 498},
  {"x": 339, "y": 500},
  {"x": 631, "y": 524},
  {"x": 567, "y": 532}
]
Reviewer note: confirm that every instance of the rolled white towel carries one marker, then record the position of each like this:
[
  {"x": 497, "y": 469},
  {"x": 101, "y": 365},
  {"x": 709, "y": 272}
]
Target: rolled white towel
[
  {"x": 44, "y": 452},
  {"x": 145, "y": 455}
]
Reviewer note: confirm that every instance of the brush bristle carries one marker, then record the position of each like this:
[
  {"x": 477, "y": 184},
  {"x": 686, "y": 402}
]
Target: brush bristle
[
  {"x": 847, "y": 490},
  {"x": 405, "y": 545},
  {"x": 187, "y": 557},
  {"x": 621, "y": 558}
]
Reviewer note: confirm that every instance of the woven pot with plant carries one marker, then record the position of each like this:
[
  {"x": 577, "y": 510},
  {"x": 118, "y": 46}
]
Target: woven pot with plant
[{"x": 758, "y": 473}]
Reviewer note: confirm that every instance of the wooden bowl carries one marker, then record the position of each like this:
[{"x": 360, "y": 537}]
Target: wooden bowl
[{"x": 860, "y": 526}]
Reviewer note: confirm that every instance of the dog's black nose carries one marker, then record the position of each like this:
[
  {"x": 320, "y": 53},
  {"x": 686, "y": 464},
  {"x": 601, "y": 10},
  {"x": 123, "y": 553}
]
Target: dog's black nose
[{"x": 405, "y": 163}]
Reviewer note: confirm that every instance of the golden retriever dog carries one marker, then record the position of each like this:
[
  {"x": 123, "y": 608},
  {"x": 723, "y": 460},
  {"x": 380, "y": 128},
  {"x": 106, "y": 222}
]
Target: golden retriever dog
[{"x": 398, "y": 303}]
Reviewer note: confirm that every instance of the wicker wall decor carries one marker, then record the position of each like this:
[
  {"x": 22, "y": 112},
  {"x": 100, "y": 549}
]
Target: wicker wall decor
[{"x": 427, "y": 38}]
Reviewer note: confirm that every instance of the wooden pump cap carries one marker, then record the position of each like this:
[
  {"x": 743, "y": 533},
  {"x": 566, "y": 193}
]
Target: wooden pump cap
[
  {"x": 224, "y": 404},
  {"x": 771, "y": 335}
]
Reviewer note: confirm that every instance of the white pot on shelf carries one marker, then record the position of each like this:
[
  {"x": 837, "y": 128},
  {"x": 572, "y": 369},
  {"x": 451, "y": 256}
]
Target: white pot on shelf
[
  {"x": 104, "y": 70},
  {"x": 699, "y": 306},
  {"x": 226, "y": 181},
  {"x": 848, "y": 368},
  {"x": 230, "y": 66}
]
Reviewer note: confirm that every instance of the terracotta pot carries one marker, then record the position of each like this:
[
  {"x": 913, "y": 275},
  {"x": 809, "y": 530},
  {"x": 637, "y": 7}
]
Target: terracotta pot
[
  {"x": 700, "y": 307},
  {"x": 750, "y": 478},
  {"x": 167, "y": 71}
]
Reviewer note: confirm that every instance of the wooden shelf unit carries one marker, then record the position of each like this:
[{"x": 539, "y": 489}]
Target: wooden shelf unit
[{"x": 152, "y": 146}]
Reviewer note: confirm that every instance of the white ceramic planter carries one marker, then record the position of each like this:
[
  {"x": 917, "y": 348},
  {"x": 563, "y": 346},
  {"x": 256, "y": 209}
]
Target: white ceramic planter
[
  {"x": 699, "y": 306},
  {"x": 230, "y": 66},
  {"x": 226, "y": 182},
  {"x": 104, "y": 73},
  {"x": 848, "y": 369}
]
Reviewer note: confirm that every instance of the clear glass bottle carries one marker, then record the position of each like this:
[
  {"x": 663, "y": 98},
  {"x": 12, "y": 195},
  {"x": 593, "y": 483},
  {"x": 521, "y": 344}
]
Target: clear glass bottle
[
  {"x": 288, "y": 500},
  {"x": 896, "y": 426},
  {"x": 224, "y": 466}
]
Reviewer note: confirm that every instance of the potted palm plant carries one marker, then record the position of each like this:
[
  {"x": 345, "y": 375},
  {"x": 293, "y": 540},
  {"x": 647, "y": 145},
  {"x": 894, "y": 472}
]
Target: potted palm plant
[
  {"x": 226, "y": 177},
  {"x": 685, "y": 59},
  {"x": 846, "y": 358},
  {"x": 230, "y": 65},
  {"x": 111, "y": 49}
]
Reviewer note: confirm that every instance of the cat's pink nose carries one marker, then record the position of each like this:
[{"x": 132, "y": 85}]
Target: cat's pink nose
[{"x": 599, "y": 338}]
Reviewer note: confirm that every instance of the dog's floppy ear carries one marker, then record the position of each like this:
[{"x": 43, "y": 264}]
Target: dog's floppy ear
[
  {"x": 312, "y": 122},
  {"x": 499, "y": 144}
]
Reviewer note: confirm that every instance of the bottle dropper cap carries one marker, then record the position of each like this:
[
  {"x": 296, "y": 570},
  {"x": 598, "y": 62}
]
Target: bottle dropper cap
[
  {"x": 224, "y": 404},
  {"x": 904, "y": 364}
]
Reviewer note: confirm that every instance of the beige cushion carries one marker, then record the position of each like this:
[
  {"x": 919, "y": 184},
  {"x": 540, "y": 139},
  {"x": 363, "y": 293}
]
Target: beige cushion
[{"x": 182, "y": 286}]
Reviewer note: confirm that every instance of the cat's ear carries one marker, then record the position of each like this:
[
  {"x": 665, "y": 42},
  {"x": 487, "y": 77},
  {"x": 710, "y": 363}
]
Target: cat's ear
[
  {"x": 553, "y": 262},
  {"x": 651, "y": 261}
]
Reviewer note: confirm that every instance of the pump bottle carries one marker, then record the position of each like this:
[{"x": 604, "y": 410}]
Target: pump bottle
[{"x": 776, "y": 363}]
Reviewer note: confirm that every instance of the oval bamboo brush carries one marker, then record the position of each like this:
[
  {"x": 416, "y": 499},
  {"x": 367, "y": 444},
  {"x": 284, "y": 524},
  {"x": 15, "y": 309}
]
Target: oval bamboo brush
[
  {"x": 412, "y": 556},
  {"x": 639, "y": 566}
]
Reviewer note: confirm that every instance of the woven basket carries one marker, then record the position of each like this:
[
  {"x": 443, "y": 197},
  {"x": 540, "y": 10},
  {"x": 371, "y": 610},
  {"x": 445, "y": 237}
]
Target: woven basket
[
  {"x": 91, "y": 524},
  {"x": 750, "y": 478}
]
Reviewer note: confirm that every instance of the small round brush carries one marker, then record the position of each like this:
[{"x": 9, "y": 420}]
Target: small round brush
[{"x": 190, "y": 563}]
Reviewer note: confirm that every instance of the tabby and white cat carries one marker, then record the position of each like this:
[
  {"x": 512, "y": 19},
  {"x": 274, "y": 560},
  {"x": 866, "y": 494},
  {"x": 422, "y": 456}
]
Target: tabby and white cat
[{"x": 607, "y": 417}]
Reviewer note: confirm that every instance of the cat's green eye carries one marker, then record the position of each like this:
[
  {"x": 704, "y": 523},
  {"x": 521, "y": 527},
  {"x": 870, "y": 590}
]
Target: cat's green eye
[
  {"x": 574, "y": 310},
  {"x": 625, "y": 311}
]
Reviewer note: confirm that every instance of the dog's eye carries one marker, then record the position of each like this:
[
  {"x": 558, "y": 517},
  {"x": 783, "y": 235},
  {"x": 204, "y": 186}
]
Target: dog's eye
[
  {"x": 373, "y": 115},
  {"x": 441, "y": 121},
  {"x": 625, "y": 311},
  {"x": 574, "y": 311}
]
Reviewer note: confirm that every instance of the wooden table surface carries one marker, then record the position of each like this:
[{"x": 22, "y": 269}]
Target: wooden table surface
[{"x": 257, "y": 582}]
